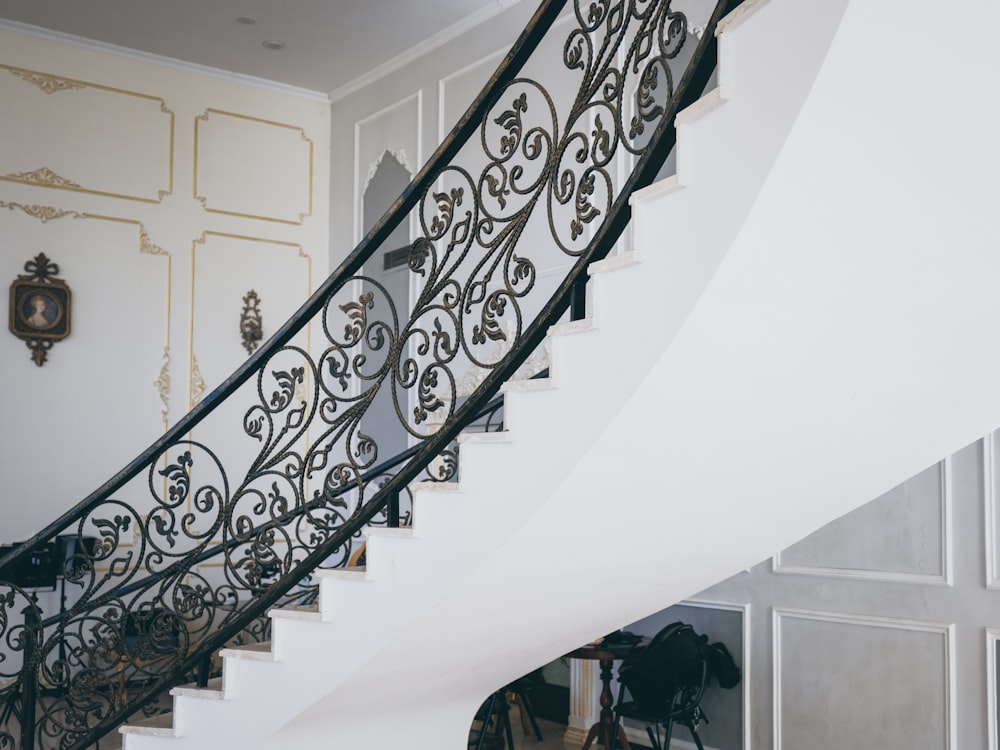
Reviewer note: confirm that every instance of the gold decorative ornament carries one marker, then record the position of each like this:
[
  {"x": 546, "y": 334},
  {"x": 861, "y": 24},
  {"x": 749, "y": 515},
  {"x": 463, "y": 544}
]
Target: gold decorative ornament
[
  {"x": 45, "y": 177},
  {"x": 47, "y": 83},
  {"x": 251, "y": 322},
  {"x": 40, "y": 307},
  {"x": 203, "y": 200},
  {"x": 198, "y": 384},
  {"x": 162, "y": 384}
]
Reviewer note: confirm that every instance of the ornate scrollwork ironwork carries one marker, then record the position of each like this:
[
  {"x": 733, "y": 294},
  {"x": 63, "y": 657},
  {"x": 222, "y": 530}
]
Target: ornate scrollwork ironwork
[{"x": 225, "y": 518}]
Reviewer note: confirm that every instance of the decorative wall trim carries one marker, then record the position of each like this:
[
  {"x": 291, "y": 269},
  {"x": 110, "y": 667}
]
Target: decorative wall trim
[
  {"x": 399, "y": 152},
  {"x": 162, "y": 385},
  {"x": 164, "y": 62},
  {"x": 47, "y": 178},
  {"x": 991, "y": 512},
  {"x": 947, "y": 630},
  {"x": 886, "y": 576},
  {"x": 203, "y": 117},
  {"x": 196, "y": 382},
  {"x": 444, "y": 128},
  {"x": 428, "y": 45},
  {"x": 45, "y": 214},
  {"x": 743, "y": 608},
  {"x": 992, "y": 636}
]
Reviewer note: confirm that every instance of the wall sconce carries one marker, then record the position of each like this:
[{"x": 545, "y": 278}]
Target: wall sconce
[{"x": 251, "y": 323}]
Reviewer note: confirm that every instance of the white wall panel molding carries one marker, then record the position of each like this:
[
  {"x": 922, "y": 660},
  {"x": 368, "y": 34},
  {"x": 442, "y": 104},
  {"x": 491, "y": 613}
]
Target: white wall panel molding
[
  {"x": 396, "y": 153},
  {"x": 252, "y": 168},
  {"x": 468, "y": 80},
  {"x": 845, "y": 696},
  {"x": 396, "y": 129},
  {"x": 743, "y": 608},
  {"x": 224, "y": 267},
  {"x": 56, "y": 128},
  {"x": 992, "y": 636},
  {"x": 853, "y": 526},
  {"x": 428, "y": 45},
  {"x": 991, "y": 513},
  {"x": 122, "y": 285}
]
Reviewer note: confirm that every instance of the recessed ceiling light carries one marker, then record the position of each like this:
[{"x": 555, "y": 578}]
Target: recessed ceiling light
[
  {"x": 273, "y": 44},
  {"x": 246, "y": 20}
]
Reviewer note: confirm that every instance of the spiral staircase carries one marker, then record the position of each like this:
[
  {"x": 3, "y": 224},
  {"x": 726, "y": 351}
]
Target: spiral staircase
[{"x": 698, "y": 420}]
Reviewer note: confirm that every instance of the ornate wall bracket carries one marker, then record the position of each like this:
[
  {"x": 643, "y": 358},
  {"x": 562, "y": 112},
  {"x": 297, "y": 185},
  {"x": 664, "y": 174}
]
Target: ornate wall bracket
[
  {"x": 39, "y": 307},
  {"x": 251, "y": 323}
]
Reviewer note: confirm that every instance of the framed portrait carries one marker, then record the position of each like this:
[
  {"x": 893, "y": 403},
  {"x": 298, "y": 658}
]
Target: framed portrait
[{"x": 40, "y": 307}]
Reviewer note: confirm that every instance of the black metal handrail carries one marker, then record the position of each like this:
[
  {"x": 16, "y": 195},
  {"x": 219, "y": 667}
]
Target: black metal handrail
[{"x": 141, "y": 597}]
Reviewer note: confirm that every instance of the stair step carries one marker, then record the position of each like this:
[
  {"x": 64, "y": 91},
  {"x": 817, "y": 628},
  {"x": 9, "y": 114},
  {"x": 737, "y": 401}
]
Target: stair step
[
  {"x": 161, "y": 725},
  {"x": 514, "y": 386},
  {"x": 303, "y": 612},
  {"x": 212, "y": 691},
  {"x": 402, "y": 532},
  {"x": 573, "y": 326},
  {"x": 467, "y": 438},
  {"x": 252, "y": 651},
  {"x": 700, "y": 108},
  {"x": 626, "y": 259},
  {"x": 734, "y": 18},
  {"x": 355, "y": 573}
]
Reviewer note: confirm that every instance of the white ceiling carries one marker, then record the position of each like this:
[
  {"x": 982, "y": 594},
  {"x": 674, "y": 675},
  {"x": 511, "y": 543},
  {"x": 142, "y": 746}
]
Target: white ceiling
[{"x": 330, "y": 43}]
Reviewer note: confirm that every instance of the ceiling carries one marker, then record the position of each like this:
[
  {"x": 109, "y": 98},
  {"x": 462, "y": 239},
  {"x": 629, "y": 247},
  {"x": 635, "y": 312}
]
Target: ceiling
[{"x": 328, "y": 43}]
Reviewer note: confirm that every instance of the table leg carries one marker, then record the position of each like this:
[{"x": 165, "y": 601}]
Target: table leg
[{"x": 604, "y": 729}]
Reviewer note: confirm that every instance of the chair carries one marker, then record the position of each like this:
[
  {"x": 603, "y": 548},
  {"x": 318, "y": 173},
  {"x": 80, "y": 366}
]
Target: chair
[
  {"x": 494, "y": 715},
  {"x": 665, "y": 682}
]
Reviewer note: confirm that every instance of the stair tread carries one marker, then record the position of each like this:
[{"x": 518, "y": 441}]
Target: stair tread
[
  {"x": 350, "y": 573},
  {"x": 306, "y": 612},
  {"x": 255, "y": 651},
  {"x": 737, "y": 16},
  {"x": 211, "y": 691},
  {"x": 161, "y": 725}
]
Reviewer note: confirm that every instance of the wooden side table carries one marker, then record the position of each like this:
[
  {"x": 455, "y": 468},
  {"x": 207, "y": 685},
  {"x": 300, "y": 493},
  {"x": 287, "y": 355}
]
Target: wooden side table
[{"x": 602, "y": 730}]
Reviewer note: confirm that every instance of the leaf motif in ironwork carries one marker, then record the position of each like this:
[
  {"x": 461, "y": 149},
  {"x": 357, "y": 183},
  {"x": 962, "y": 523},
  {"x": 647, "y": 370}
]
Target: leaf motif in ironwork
[
  {"x": 586, "y": 212},
  {"x": 497, "y": 189},
  {"x": 510, "y": 120},
  {"x": 357, "y": 314},
  {"x": 420, "y": 251},
  {"x": 178, "y": 474}
]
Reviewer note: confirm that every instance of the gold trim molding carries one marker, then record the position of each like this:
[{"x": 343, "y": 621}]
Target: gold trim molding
[
  {"x": 162, "y": 385},
  {"x": 45, "y": 214},
  {"x": 46, "y": 178},
  {"x": 203, "y": 200},
  {"x": 197, "y": 386},
  {"x": 43, "y": 177},
  {"x": 47, "y": 83}
]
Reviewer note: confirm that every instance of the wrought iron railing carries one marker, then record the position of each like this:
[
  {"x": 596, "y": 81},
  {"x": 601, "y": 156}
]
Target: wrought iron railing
[{"x": 189, "y": 545}]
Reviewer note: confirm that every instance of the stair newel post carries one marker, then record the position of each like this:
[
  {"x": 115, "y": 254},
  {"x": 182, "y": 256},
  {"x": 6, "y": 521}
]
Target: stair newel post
[
  {"x": 393, "y": 510},
  {"x": 578, "y": 300},
  {"x": 29, "y": 676}
]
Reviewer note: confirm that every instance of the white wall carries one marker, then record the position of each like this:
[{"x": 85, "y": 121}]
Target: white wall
[
  {"x": 876, "y": 628},
  {"x": 164, "y": 194}
]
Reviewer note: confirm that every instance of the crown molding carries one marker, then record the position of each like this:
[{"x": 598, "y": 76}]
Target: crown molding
[
  {"x": 163, "y": 61},
  {"x": 429, "y": 44}
]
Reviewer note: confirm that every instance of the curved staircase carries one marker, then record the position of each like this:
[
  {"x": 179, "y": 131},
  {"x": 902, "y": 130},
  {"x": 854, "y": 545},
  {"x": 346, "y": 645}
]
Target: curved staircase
[{"x": 504, "y": 571}]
